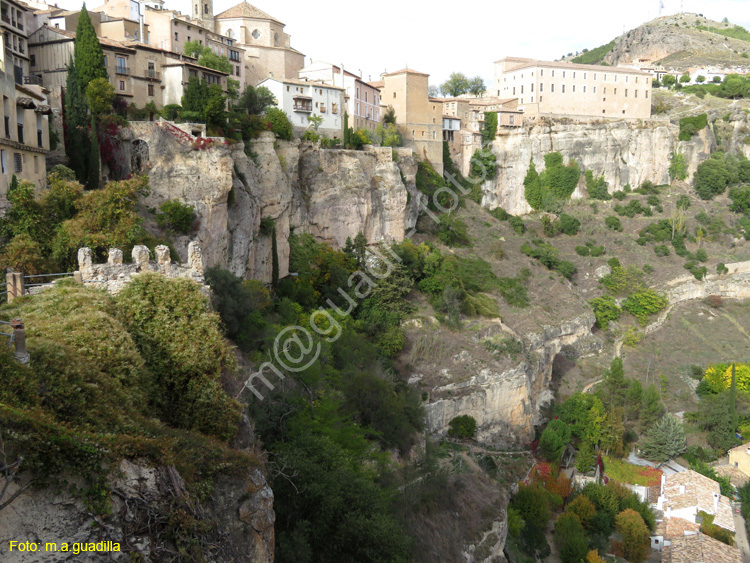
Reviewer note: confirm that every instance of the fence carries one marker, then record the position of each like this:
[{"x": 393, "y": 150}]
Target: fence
[{"x": 17, "y": 285}]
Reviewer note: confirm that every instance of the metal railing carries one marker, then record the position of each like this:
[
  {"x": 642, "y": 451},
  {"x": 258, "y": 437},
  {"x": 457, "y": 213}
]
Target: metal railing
[
  {"x": 148, "y": 73},
  {"x": 122, "y": 70},
  {"x": 32, "y": 79}
]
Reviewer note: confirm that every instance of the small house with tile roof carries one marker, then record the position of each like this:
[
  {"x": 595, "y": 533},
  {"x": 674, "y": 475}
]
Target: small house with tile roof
[
  {"x": 700, "y": 548},
  {"x": 685, "y": 494}
]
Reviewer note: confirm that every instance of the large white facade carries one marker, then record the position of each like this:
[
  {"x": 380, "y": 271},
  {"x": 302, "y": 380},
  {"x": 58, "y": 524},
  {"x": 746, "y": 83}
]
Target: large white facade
[{"x": 301, "y": 99}]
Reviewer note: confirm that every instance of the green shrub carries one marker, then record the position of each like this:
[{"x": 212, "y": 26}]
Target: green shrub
[
  {"x": 701, "y": 255},
  {"x": 517, "y": 224},
  {"x": 556, "y": 183},
  {"x": 594, "y": 56},
  {"x": 605, "y": 310},
  {"x": 622, "y": 281},
  {"x": 500, "y": 214},
  {"x": 597, "y": 187},
  {"x": 619, "y": 195},
  {"x": 683, "y": 202},
  {"x": 462, "y": 427},
  {"x": 711, "y": 177},
  {"x": 583, "y": 251},
  {"x": 176, "y": 216},
  {"x": 721, "y": 268},
  {"x": 171, "y": 112},
  {"x": 613, "y": 223},
  {"x": 453, "y": 231},
  {"x": 568, "y": 224},
  {"x": 548, "y": 256},
  {"x": 661, "y": 250},
  {"x": 689, "y": 126},
  {"x": 280, "y": 124},
  {"x": 643, "y": 304}
]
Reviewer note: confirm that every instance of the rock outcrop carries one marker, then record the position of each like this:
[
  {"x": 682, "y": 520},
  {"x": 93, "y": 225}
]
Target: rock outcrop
[
  {"x": 505, "y": 404},
  {"x": 331, "y": 194},
  {"x": 624, "y": 152},
  {"x": 147, "y": 504}
]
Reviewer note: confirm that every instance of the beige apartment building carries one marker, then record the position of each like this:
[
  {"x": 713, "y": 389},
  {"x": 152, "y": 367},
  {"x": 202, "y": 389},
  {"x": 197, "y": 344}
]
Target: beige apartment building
[
  {"x": 140, "y": 73},
  {"x": 419, "y": 117},
  {"x": 545, "y": 88},
  {"x": 169, "y": 30},
  {"x": 24, "y": 134}
]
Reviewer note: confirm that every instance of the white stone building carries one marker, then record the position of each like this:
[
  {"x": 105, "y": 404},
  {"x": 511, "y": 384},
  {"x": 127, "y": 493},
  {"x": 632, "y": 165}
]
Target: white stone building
[{"x": 301, "y": 99}]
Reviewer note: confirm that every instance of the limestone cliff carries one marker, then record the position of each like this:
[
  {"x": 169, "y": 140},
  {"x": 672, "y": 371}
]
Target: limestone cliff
[
  {"x": 331, "y": 194},
  {"x": 625, "y": 152},
  {"x": 504, "y": 398}
]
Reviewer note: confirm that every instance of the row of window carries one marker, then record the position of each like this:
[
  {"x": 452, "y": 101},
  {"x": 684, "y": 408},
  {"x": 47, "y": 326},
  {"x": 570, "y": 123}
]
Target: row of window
[
  {"x": 19, "y": 160},
  {"x": 11, "y": 15},
  {"x": 374, "y": 97},
  {"x": 585, "y": 76},
  {"x": 585, "y": 90},
  {"x": 414, "y": 135}
]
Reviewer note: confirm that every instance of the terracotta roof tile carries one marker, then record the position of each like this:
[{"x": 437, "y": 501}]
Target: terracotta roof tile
[
  {"x": 690, "y": 488},
  {"x": 700, "y": 548},
  {"x": 671, "y": 528}
]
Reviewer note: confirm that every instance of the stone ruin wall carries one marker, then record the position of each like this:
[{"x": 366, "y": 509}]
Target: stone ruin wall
[{"x": 113, "y": 275}]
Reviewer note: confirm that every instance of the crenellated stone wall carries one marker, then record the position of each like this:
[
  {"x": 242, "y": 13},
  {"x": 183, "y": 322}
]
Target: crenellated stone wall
[{"x": 113, "y": 275}]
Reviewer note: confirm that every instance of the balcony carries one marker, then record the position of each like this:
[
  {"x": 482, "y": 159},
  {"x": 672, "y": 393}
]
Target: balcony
[
  {"x": 32, "y": 79},
  {"x": 303, "y": 104},
  {"x": 122, "y": 70},
  {"x": 20, "y": 133},
  {"x": 150, "y": 73},
  {"x": 322, "y": 108}
]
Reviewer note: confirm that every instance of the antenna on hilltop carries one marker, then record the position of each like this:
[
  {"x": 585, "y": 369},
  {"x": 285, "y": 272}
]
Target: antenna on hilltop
[{"x": 661, "y": 6}]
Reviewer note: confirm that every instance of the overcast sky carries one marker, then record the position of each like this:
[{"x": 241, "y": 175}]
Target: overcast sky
[{"x": 441, "y": 37}]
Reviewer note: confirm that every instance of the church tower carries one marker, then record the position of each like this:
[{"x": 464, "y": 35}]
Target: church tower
[{"x": 203, "y": 13}]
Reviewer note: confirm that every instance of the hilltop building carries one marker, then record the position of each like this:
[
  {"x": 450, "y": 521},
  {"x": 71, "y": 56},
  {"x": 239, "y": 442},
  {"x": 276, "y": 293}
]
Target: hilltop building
[
  {"x": 302, "y": 98},
  {"x": 362, "y": 99},
  {"x": 267, "y": 50},
  {"x": 140, "y": 73},
  {"x": 24, "y": 138},
  {"x": 546, "y": 88},
  {"x": 418, "y": 116},
  {"x": 168, "y": 30}
]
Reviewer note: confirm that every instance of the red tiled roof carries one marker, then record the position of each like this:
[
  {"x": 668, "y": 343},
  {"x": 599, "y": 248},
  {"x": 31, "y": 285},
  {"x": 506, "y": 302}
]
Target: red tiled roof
[{"x": 700, "y": 548}]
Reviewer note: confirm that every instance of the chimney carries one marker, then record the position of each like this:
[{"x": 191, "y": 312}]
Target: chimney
[{"x": 717, "y": 497}]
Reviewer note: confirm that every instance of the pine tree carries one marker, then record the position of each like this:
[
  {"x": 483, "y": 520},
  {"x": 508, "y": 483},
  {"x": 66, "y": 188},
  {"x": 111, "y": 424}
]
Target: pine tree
[
  {"x": 533, "y": 187},
  {"x": 274, "y": 259},
  {"x": 77, "y": 138},
  {"x": 89, "y": 58},
  {"x": 614, "y": 385},
  {"x": 633, "y": 399},
  {"x": 665, "y": 440},
  {"x": 651, "y": 407}
]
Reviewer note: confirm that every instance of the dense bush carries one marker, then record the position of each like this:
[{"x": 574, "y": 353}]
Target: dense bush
[
  {"x": 453, "y": 231},
  {"x": 613, "y": 223},
  {"x": 605, "y": 310},
  {"x": 516, "y": 223},
  {"x": 463, "y": 426},
  {"x": 280, "y": 124},
  {"x": 568, "y": 224},
  {"x": 689, "y": 126},
  {"x": 176, "y": 216},
  {"x": 714, "y": 175},
  {"x": 597, "y": 186},
  {"x": 643, "y": 304},
  {"x": 548, "y": 256},
  {"x": 590, "y": 249},
  {"x": 556, "y": 183}
]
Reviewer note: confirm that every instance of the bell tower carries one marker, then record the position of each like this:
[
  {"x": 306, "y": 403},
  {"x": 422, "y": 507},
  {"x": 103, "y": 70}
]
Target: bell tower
[{"x": 203, "y": 13}]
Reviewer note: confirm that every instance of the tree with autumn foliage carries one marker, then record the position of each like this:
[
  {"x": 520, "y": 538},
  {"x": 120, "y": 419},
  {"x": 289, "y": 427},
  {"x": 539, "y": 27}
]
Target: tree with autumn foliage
[
  {"x": 593, "y": 557},
  {"x": 635, "y": 535},
  {"x": 583, "y": 509}
]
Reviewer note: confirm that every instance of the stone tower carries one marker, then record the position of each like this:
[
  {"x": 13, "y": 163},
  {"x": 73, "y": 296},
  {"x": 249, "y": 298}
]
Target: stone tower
[{"x": 203, "y": 13}]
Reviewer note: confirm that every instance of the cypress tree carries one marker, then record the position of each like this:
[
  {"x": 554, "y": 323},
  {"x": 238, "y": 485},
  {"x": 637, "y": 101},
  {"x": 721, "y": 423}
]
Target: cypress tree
[
  {"x": 88, "y": 52},
  {"x": 274, "y": 259},
  {"x": 77, "y": 139},
  {"x": 92, "y": 169},
  {"x": 733, "y": 400}
]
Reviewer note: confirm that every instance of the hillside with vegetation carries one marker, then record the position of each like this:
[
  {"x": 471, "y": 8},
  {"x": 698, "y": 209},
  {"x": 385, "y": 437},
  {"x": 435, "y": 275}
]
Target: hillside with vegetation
[{"x": 679, "y": 41}]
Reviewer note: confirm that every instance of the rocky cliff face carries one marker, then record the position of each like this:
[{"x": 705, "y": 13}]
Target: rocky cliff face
[
  {"x": 331, "y": 194},
  {"x": 150, "y": 510},
  {"x": 505, "y": 403},
  {"x": 625, "y": 152}
]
